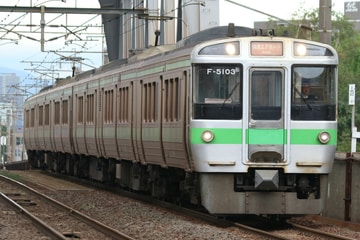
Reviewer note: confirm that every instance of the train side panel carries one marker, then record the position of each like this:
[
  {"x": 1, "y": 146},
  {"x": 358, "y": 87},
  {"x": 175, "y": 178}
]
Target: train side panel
[
  {"x": 29, "y": 130},
  {"x": 40, "y": 108},
  {"x": 38, "y": 135},
  {"x": 175, "y": 113},
  {"x": 56, "y": 129},
  {"x": 137, "y": 122},
  {"x": 161, "y": 113},
  {"x": 150, "y": 115},
  {"x": 107, "y": 124},
  {"x": 124, "y": 113},
  {"x": 79, "y": 94},
  {"x": 48, "y": 123},
  {"x": 66, "y": 121},
  {"x": 92, "y": 118}
]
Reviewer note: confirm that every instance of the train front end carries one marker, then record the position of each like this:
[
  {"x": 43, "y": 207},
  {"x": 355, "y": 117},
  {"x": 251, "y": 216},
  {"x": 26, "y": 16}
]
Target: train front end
[{"x": 261, "y": 142}]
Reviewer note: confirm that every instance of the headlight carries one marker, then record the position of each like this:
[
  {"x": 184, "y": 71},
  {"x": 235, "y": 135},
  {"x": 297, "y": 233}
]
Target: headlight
[
  {"x": 300, "y": 49},
  {"x": 324, "y": 137},
  {"x": 230, "y": 49},
  {"x": 207, "y": 136}
]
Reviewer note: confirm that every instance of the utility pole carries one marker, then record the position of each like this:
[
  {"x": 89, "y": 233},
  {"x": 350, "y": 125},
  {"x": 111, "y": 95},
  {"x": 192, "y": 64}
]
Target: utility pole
[
  {"x": 179, "y": 22},
  {"x": 13, "y": 138},
  {"x": 325, "y": 27},
  {"x": 8, "y": 136}
]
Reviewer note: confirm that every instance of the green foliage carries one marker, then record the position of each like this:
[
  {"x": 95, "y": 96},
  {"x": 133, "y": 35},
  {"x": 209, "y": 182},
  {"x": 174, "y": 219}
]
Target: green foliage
[
  {"x": 347, "y": 42},
  {"x": 11, "y": 175},
  {"x": 3, "y": 130}
]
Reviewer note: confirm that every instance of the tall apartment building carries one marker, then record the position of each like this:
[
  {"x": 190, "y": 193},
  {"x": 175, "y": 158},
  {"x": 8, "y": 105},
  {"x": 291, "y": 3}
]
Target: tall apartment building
[{"x": 11, "y": 118}]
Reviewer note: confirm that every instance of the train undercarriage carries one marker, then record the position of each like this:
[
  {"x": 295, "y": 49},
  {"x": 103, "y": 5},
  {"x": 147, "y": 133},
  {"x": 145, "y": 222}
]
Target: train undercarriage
[
  {"x": 170, "y": 184},
  {"x": 295, "y": 194}
]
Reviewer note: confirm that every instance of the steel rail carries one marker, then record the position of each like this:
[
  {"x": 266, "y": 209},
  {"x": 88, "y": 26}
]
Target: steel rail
[
  {"x": 326, "y": 234},
  {"x": 260, "y": 232},
  {"x": 82, "y": 217},
  {"x": 42, "y": 226}
]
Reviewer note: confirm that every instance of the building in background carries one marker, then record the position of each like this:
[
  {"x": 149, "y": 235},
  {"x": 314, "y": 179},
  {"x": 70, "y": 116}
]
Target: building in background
[
  {"x": 352, "y": 12},
  {"x": 11, "y": 118},
  {"x": 166, "y": 22}
]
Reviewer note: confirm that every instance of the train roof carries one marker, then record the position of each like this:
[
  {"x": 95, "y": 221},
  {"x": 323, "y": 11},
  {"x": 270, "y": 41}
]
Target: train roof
[
  {"x": 220, "y": 32},
  {"x": 150, "y": 52},
  {"x": 215, "y": 33},
  {"x": 205, "y": 35}
]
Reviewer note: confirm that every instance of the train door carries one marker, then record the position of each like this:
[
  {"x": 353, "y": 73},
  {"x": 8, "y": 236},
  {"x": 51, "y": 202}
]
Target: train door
[
  {"x": 138, "y": 102},
  {"x": 36, "y": 134},
  {"x": 99, "y": 122},
  {"x": 50, "y": 135},
  {"x": 71, "y": 121},
  {"x": 266, "y": 136}
]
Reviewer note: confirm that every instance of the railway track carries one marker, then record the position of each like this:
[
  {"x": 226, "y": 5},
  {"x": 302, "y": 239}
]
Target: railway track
[
  {"x": 301, "y": 231},
  {"x": 54, "y": 219},
  {"x": 285, "y": 230},
  {"x": 322, "y": 234},
  {"x": 290, "y": 231}
]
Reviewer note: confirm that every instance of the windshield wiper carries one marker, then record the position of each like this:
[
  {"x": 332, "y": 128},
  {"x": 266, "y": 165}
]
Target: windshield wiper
[
  {"x": 230, "y": 94},
  {"x": 303, "y": 99}
]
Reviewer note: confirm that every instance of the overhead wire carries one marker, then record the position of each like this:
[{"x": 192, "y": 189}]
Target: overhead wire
[
  {"x": 29, "y": 75},
  {"x": 2, "y": 20},
  {"x": 125, "y": 31}
]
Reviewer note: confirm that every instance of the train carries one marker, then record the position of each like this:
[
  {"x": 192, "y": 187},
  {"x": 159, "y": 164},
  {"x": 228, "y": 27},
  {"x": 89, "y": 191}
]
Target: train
[{"x": 220, "y": 120}]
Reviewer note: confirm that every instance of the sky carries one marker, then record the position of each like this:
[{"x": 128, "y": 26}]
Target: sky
[
  {"x": 25, "y": 55},
  {"x": 280, "y": 8}
]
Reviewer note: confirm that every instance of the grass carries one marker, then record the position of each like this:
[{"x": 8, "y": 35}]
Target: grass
[{"x": 11, "y": 175}]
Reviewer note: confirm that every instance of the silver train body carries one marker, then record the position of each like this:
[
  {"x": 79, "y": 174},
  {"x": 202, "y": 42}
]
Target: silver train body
[{"x": 222, "y": 123}]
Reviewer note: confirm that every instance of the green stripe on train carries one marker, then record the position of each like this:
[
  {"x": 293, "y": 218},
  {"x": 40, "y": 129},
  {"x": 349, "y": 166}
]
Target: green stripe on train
[
  {"x": 262, "y": 136},
  {"x": 310, "y": 136},
  {"x": 266, "y": 136},
  {"x": 222, "y": 135}
]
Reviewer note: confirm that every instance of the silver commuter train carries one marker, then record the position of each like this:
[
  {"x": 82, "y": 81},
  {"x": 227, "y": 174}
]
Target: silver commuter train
[{"x": 225, "y": 123}]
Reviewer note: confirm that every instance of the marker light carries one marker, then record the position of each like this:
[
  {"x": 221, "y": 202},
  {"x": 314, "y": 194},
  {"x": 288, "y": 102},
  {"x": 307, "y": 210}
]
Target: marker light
[
  {"x": 207, "y": 136},
  {"x": 324, "y": 137}
]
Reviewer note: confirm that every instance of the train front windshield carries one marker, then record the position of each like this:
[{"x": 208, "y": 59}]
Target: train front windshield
[
  {"x": 218, "y": 92},
  {"x": 313, "y": 95}
]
